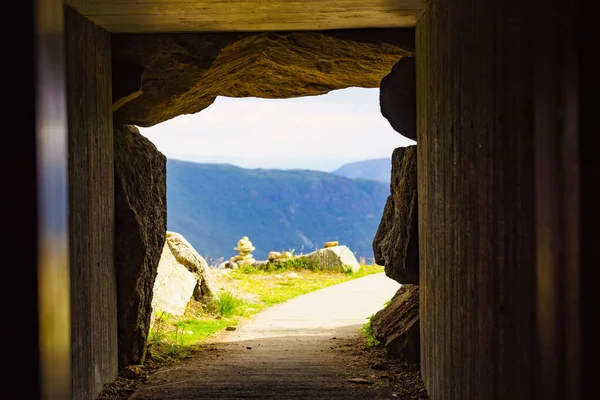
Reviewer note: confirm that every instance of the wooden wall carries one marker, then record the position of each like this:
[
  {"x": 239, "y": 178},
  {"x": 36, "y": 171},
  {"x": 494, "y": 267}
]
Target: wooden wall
[
  {"x": 91, "y": 203},
  {"x": 476, "y": 200}
]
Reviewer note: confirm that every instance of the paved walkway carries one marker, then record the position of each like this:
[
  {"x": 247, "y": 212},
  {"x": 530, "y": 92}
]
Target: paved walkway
[{"x": 301, "y": 349}]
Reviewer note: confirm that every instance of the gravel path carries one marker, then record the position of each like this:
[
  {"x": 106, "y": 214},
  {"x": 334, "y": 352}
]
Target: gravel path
[{"x": 305, "y": 348}]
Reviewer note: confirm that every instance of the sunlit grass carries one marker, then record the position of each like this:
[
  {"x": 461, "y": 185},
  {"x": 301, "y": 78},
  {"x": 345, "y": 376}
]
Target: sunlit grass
[{"x": 282, "y": 285}]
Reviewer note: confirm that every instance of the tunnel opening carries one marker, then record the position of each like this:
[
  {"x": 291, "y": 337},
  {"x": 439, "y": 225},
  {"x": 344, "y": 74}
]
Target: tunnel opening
[
  {"x": 316, "y": 170},
  {"x": 292, "y": 175},
  {"x": 157, "y": 77},
  {"x": 252, "y": 71}
]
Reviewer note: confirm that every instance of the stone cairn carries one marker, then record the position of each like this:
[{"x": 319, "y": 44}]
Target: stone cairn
[{"x": 245, "y": 249}]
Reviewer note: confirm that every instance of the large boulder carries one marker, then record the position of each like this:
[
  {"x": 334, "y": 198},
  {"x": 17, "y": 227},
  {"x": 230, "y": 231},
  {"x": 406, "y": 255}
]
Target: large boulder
[
  {"x": 396, "y": 245},
  {"x": 398, "y": 97},
  {"x": 188, "y": 257},
  {"x": 333, "y": 258},
  {"x": 397, "y": 325},
  {"x": 140, "y": 226},
  {"x": 173, "y": 287},
  {"x": 161, "y": 76}
]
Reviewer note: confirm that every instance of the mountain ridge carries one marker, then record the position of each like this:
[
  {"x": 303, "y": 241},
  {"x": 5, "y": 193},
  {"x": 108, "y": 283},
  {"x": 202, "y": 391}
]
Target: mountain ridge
[
  {"x": 377, "y": 169},
  {"x": 213, "y": 205}
]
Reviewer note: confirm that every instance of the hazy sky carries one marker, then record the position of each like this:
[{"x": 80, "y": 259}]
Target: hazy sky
[{"x": 316, "y": 132}]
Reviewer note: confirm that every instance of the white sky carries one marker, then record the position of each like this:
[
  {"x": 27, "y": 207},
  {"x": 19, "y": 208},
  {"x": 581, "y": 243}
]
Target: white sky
[{"x": 316, "y": 132}]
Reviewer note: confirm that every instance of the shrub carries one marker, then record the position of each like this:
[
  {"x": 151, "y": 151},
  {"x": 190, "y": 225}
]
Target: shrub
[
  {"x": 300, "y": 263},
  {"x": 367, "y": 330}
]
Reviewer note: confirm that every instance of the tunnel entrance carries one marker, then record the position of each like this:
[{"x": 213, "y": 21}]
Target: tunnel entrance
[
  {"x": 160, "y": 76},
  {"x": 291, "y": 175},
  {"x": 302, "y": 171}
]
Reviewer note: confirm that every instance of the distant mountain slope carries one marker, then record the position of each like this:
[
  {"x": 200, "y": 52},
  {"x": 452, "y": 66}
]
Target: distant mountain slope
[
  {"x": 214, "y": 205},
  {"x": 377, "y": 169}
]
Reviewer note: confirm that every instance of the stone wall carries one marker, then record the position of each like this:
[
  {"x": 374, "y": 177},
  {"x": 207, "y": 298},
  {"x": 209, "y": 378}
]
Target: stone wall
[
  {"x": 91, "y": 207},
  {"x": 476, "y": 200}
]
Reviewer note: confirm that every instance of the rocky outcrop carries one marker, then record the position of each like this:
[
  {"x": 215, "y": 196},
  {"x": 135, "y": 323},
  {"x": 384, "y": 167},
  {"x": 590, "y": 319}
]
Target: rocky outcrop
[
  {"x": 333, "y": 258},
  {"x": 188, "y": 257},
  {"x": 140, "y": 226},
  {"x": 398, "y": 97},
  {"x": 173, "y": 287},
  {"x": 397, "y": 325},
  {"x": 396, "y": 245},
  {"x": 183, "y": 73}
]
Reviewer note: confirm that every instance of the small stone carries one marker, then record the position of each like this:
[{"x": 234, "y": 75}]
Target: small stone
[
  {"x": 230, "y": 328},
  {"x": 286, "y": 255},
  {"x": 248, "y": 347},
  {"x": 330, "y": 244},
  {"x": 360, "y": 381},
  {"x": 132, "y": 371}
]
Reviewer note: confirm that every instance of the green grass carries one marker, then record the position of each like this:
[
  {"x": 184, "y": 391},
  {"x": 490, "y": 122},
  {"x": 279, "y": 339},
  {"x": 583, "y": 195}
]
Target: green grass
[
  {"x": 367, "y": 330},
  {"x": 230, "y": 304},
  {"x": 272, "y": 288},
  {"x": 173, "y": 338}
]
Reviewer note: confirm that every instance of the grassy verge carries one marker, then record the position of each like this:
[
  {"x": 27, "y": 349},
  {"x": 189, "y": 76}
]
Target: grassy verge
[
  {"x": 367, "y": 331},
  {"x": 244, "y": 292}
]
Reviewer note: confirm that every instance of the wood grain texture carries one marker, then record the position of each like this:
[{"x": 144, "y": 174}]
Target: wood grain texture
[
  {"x": 253, "y": 15},
  {"x": 476, "y": 200},
  {"x": 91, "y": 203}
]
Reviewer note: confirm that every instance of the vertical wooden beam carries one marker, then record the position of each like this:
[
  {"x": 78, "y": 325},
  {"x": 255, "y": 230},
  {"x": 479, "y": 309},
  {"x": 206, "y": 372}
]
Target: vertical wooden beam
[
  {"x": 91, "y": 201},
  {"x": 476, "y": 200}
]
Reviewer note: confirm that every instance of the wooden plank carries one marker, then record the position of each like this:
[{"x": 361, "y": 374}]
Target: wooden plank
[
  {"x": 476, "y": 180},
  {"x": 91, "y": 204},
  {"x": 202, "y": 16},
  {"x": 212, "y": 8},
  {"x": 425, "y": 273},
  {"x": 225, "y": 26}
]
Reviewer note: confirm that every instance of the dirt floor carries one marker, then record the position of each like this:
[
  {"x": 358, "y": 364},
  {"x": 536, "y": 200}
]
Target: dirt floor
[{"x": 300, "y": 349}]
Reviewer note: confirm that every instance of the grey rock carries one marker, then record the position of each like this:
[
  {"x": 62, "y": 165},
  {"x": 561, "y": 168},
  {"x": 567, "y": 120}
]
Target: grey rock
[
  {"x": 397, "y": 325},
  {"x": 184, "y": 73},
  {"x": 396, "y": 242},
  {"x": 398, "y": 97},
  {"x": 187, "y": 256},
  {"x": 140, "y": 226},
  {"x": 333, "y": 258}
]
